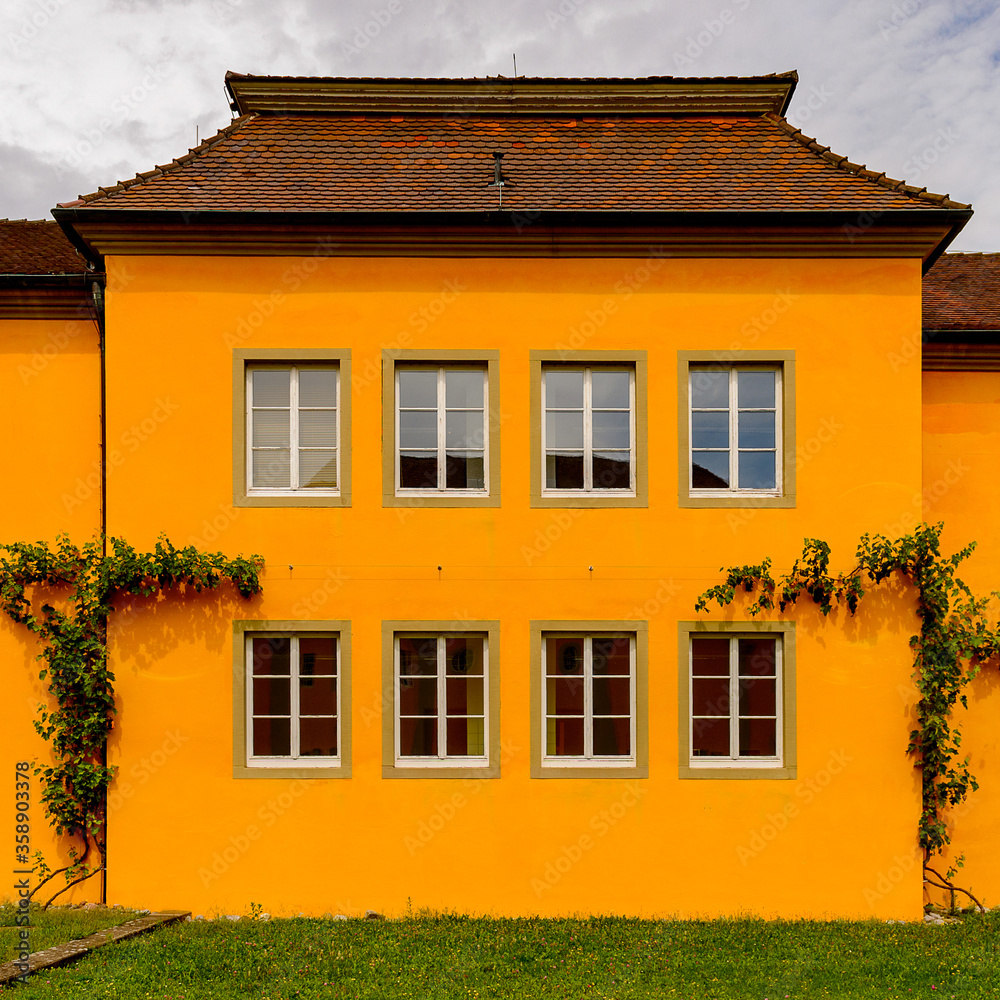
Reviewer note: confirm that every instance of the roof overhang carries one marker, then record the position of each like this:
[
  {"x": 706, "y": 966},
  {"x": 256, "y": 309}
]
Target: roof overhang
[
  {"x": 960, "y": 350},
  {"x": 515, "y": 95},
  {"x": 902, "y": 233},
  {"x": 47, "y": 296}
]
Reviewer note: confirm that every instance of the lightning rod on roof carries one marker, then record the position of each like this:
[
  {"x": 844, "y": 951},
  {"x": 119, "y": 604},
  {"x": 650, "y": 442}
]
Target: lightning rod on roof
[{"x": 514, "y": 54}]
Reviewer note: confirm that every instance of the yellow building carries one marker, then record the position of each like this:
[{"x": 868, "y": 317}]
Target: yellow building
[{"x": 495, "y": 375}]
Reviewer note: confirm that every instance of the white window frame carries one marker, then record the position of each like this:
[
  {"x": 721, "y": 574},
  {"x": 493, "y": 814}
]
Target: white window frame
[
  {"x": 308, "y": 760},
  {"x": 588, "y": 431},
  {"x": 442, "y": 417},
  {"x": 589, "y": 759},
  {"x": 734, "y": 449},
  {"x": 293, "y": 432},
  {"x": 442, "y": 759},
  {"x": 734, "y": 760}
]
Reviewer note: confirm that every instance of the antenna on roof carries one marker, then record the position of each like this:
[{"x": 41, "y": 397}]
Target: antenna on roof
[
  {"x": 515, "y": 64},
  {"x": 498, "y": 178},
  {"x": 197, "y": 140}
]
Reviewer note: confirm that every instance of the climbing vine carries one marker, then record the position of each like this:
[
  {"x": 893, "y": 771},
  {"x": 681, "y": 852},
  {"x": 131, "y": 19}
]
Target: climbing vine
[
  {"x": 85, "y": 582},
  {"x": 954, "y": 640}
]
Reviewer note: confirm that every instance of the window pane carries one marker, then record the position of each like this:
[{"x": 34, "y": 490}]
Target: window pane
[
  {"x": 758, "y": 738},
  {"x": 563, "y": 430},
  {"x": 317, "y": 387},
  {"x": 466, "y": 738},
  {"x": 317, "y": 428},
  {"x": 464, "y": 429},
  {"x": 612, "y": 737},
  {"x": 710, "y": 696},
  {"x": 272, "y": 737},
  {"x": 272, "y": 469},
  {"x": 318, "y": 696},
  {"x": 609, "y": 390},
  {"x": 418, "y": 656},
  {"x": 757, "y": 696},
  {"x": 564, "y": 472},
  {"x": 710, "y": 656},
  {"x": 612, "y": 470},
  {"x": 710, "y": 430},
  {"x": 318, "y": 469},
  {"x": 418, "y": 737},
  {"x": 463, "y": 656},
  {"x": 270, "y": 428},
  {"x": 272, "y": 696},
  {"x": 612, "y": 656},
  {"x": 710, "y": 389},
  {"x": 417, "y": 388},
  {"x": 755, "y": 389},
  {"x": 756, "y": 430},
  {"x": 463, "y": 389},
  {"x": 710, "y": 737},
  {"x": 564, "y": 389},
  {"x": 270, "y": 387},
  {"x": 418, "y": 471},
  {"x": 612, "y": 430},
  {"x": 757, "y": 656},
  {"x": 418, "y": 696},
  {"x": 564, "y": 657},
  {"x": 612, "y": 696},
  {"x": 564, "y": 695},
  {"x": 710, "y": 470},
  {"x": 465, "y": 471},
  {"x": 417, "y": 429},
  {"x": 464, "y": 696},
  {"x": 564, "y": 737},
  {"x": 318, "y": 738},
  {"x": 757, "y": 470},
  {"x": 272, "y": 656}
]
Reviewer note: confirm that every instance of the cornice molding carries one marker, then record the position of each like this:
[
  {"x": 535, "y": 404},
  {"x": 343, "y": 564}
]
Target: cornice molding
[
  {"x": 723, "y": 234},
  {"x": 963, "y": 357},
  {"x": 514, "y": 95}
]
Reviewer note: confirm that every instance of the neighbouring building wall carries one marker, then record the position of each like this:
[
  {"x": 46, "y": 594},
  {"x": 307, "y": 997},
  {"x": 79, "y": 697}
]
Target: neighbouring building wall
[
  {"x": 961, "y": 425},
  {"x": 838, "y": 839},
  {"x": 52, "y": 394}
]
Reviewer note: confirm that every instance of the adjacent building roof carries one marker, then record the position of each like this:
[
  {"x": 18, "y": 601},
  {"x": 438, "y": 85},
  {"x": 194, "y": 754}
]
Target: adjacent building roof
[
  {"x": 37, "y": 248},
  {"x": 962, "y": 292}
]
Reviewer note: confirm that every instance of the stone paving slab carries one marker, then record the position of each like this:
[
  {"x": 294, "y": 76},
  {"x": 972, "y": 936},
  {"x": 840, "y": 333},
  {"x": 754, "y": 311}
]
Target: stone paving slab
[{"x": 61, "y": 953}]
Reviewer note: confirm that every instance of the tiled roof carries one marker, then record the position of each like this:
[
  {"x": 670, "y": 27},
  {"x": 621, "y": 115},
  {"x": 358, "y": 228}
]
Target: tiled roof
[
  {"x": 962, "y": 292},
  {"x": 37, "y": 248},
  {"x": 393, "y": 163}
]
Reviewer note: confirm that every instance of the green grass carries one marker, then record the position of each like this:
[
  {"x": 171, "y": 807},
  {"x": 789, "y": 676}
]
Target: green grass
[
  {"x": 607, "y": 957},
  {"x": 55, "y": 926}
]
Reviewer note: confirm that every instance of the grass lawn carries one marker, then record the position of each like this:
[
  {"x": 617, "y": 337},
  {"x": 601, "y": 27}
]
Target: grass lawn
[
  {"x": 55, "y": 926},
  {"x": 480, "y": 957}
]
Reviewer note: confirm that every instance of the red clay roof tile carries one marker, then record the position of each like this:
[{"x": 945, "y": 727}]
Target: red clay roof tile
[
  {"x": 37, "y": 247},
  {"x": 962, "y": 292},
  {"x": 681, "y": 163}
]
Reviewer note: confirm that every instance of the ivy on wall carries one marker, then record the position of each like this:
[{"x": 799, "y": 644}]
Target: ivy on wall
[
  {"x": 954, "y": 640},
  {"x": 86, "y": 582}
]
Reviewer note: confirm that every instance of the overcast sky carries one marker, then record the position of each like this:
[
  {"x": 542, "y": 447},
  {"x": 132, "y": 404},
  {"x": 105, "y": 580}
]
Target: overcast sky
[{"x": 95, "y": 90}]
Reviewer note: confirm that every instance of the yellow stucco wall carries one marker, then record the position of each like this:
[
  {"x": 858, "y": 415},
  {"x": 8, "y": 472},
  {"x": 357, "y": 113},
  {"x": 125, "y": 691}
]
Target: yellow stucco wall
[
  {"x": 839, "y": 840},
  {"x": 961, "y": 423},
  {"x": 50, "y": 371}
]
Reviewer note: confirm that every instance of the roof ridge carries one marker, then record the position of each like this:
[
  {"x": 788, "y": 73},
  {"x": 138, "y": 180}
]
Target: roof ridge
[
  {"x": 158, "y": 171},
  {"x": 861, "y": 170}
]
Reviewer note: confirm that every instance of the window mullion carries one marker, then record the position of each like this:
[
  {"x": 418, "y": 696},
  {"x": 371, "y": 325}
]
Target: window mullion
[
  {"x": 396, "y": 695},
  {"x": 734, "y": 699},
  {"x": 293, "y": 428},
  {"x": 588, "y": 697},
  {"x": 442, "y": 740},
  {"x": 588, "y": 430},
  {"x": 294, "y": 699},
  {"x": 734, "y": 430},
  {"x": 442, "y": 476}
]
